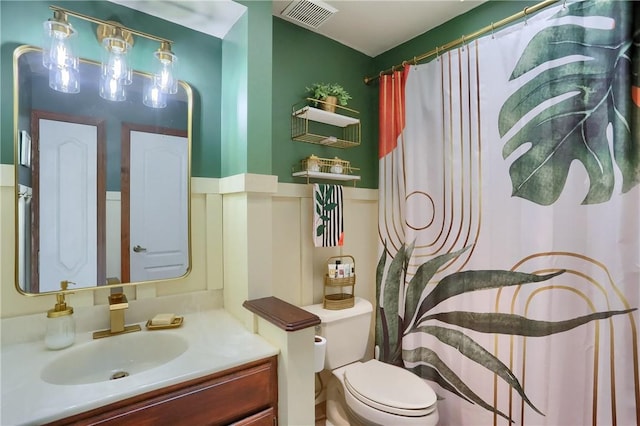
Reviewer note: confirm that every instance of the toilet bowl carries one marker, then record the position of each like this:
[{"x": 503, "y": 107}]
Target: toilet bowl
[
  {"x": 376, "y": 393},
  {"x": 371, "y": 392}
]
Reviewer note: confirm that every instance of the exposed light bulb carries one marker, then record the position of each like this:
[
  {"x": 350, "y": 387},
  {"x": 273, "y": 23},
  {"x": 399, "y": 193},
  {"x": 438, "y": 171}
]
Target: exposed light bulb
[
  {"x": 60, "y": 53},
  {"x": 64, "y": 79},
  {"x": 112, "y": 89},
  {"x": 115, "y": 67},
  {"x": 114, "y": 62},
  {"x": 154, "y": 97}
]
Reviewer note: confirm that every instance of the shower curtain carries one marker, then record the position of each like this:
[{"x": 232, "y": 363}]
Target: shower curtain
[{"x": 509, "y": 221}]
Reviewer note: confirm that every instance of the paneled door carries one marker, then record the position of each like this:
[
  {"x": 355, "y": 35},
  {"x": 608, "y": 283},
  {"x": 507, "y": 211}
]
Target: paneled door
[
  {"x": 67, "y": 197},
  {"x": 157, "y": 195}
]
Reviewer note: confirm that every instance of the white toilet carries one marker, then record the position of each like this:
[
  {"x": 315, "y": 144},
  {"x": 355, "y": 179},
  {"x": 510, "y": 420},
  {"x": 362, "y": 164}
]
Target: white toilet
[{"x": 371, "y": 392}]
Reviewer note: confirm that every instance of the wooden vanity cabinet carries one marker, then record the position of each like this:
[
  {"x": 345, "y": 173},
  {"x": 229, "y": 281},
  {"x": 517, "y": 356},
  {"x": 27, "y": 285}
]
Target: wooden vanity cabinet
[{"x": 244, "y": 395}]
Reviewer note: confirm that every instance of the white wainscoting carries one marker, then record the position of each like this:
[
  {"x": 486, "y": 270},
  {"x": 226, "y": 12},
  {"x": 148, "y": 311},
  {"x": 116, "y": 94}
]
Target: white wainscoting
[{"x": 298, "y": 266}]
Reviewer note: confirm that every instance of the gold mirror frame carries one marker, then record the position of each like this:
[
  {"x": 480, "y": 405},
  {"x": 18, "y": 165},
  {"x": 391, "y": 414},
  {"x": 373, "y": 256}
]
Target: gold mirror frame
[{"x": 18, "y": 53}]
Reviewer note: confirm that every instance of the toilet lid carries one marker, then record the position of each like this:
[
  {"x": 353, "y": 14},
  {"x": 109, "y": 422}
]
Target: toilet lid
[{"x": 390, "y": 388}]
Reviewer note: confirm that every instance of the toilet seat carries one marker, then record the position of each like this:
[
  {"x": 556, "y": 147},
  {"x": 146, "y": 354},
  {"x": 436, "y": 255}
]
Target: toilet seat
[{"x": 390, "y": 389}]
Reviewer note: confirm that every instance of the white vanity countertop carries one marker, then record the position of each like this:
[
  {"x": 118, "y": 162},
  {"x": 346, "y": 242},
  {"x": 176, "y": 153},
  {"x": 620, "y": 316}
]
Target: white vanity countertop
[{"x": 216, "y": 342}]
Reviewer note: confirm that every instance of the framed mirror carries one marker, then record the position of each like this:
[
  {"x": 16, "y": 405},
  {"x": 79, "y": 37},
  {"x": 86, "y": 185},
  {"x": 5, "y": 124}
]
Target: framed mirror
[{"x": 102, "y": 187}]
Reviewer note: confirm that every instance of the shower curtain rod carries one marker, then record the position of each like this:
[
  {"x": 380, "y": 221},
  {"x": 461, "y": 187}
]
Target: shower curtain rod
[{"x": 465, "y": 38}]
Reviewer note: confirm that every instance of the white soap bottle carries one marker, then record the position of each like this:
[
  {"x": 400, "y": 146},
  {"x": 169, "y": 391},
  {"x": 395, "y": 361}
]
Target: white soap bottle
[{"x": 61, "y": 326}]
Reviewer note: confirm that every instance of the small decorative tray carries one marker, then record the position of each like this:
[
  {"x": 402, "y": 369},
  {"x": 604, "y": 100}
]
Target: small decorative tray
[{"x": 177, "y": 322}]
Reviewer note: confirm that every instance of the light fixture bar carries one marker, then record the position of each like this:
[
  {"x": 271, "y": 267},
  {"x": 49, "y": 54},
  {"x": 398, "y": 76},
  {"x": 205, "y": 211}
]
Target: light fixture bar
[{"x": 101, "y": 22}]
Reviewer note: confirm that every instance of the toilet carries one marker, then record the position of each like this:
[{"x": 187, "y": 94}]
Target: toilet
[{"x": 370, "y": 392}]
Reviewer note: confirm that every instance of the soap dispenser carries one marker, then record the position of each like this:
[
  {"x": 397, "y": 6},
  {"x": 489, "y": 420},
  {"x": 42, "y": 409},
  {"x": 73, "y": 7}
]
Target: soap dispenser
[{"x": 61, "y": 327}]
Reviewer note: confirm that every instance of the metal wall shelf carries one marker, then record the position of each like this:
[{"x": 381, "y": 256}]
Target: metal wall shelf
[
  {"x": 346, "y": 123},
  {"x": 321, "y": 175}
]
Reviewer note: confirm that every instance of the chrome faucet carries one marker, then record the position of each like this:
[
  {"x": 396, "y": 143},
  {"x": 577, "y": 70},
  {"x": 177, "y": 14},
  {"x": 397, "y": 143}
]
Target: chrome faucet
[{"x": 117, "y": 305}]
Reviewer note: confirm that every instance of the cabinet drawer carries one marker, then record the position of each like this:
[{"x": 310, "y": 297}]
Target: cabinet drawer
[
  {"x": 217, "y": 399},
  {"x": 263, "y": 418}
]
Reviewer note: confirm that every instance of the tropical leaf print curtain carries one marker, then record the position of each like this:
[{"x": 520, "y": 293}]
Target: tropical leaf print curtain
[{"x": 509, "y": 221}]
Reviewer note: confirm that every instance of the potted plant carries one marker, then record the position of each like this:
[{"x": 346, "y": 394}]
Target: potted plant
[{"x": 328, "y": 95}]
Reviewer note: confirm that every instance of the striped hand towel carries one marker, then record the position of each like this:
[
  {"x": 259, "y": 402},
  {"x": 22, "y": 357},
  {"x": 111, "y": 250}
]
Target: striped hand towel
[{"x": 328, "y": 227}]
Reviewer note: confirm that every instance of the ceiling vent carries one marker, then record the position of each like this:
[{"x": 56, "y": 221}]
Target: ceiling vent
[{"x": 311, "y": 13}]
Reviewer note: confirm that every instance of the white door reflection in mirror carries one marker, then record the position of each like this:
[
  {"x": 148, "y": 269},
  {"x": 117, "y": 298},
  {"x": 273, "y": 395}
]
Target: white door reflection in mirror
[
  {"x": 158, "y": 243},
  {"x": 68, "y": 200}
]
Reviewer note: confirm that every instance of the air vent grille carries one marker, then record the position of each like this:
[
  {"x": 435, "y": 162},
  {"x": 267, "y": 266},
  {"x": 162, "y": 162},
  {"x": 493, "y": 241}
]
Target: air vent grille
[{"x": 311, "y": 13}]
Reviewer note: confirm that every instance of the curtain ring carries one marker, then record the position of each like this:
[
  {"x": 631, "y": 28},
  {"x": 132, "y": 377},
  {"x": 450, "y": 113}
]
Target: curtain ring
[
  {"x": 564, "y": 4},
  {"x": 526, "y": 17},
  {"x": 462, "y": 38},
  {"x": 492, "y": 30},
  {"x": 437, "y": 53}
]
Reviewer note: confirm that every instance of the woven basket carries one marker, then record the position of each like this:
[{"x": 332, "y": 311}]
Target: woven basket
[{"x": 339, "y": 300}]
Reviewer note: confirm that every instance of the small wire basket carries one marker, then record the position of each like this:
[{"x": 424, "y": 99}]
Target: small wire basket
[
  {"x": 326, "y": 165},
  {"x": 336, "y": 293}
]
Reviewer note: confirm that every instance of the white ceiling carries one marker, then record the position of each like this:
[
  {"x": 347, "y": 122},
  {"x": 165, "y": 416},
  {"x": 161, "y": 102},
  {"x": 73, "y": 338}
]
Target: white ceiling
[
  {"x": 213, "y": 17},
  {"x": 375, "y": 26},
  {"x": 368, "y": 26}
]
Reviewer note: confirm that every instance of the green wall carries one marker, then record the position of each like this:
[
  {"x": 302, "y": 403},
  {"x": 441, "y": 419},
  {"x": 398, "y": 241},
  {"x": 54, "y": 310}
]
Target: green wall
[
  {"x": 246, "y": 93},
  {"x": 234, "y": 77},
  {"x": 200, "y": 64},
  {"x": 301, "y": 58}
]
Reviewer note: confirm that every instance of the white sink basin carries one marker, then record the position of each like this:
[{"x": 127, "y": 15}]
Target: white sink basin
[{"x": 113, "y": 357}]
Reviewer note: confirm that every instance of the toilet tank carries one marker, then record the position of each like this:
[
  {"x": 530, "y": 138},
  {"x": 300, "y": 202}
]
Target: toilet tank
[{"x": 346, "y": 331}]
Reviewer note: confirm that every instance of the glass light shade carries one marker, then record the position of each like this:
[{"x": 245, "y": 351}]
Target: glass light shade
[
  {"x": 59, "y": 44},
  {"x": 64, "y": 79},
  {"x": 153, "y": 96},
  {"x": 115, "y": 63},
  {"x": 164, "y": 73},
  {"x": 112, "y": 89}
]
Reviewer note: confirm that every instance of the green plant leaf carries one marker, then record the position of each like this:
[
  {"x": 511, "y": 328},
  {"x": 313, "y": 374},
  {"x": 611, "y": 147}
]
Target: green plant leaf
[
  {"x": 386, "y": 351},
  {"x": 330, "y": 206},
  {"x": 392, "y": 285},
  {"x": 419, "y": 281},
  {"x": 324, "y": 218},
  {"x": 408, "y": 252},
  {"x": 318, "y": 211},
  {"x": 515, "y": 324},
  {"x": 320, "y": 230},
  {"x": 475, "y": 352},
  {"x": 319, "y": 198},
  {"x": 591, "y": 74},
  {"x": 444, "y": 376},
  {"x": 379, "y": 324},
  {"x": 469, "y": 281},
  {"x": 431, "y": 370}
]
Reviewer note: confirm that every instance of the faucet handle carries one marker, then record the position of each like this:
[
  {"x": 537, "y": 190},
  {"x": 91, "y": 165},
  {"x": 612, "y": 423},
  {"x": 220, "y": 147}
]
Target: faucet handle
[{"x": 118, "y": 301}]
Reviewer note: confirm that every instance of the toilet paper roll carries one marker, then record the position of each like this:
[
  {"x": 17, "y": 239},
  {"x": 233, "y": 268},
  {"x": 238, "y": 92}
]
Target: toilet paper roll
[{"x": 319, "y": 351}]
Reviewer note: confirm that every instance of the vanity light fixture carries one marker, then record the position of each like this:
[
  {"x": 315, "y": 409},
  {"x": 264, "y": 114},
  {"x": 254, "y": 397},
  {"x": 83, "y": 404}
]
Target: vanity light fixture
[{"x": 116, "y": 73}]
